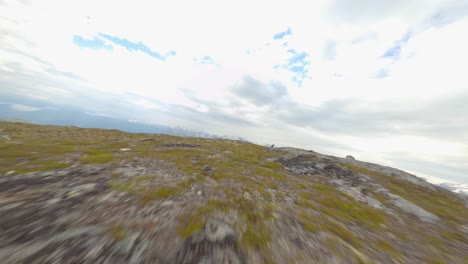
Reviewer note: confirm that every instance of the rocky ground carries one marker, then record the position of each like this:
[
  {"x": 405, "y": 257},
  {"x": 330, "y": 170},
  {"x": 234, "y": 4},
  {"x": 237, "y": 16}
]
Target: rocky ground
[{"x": 72, "y": 195}]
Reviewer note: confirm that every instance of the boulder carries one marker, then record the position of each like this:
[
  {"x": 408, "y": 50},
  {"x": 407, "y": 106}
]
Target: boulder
[{"x": 216, "y": 243}]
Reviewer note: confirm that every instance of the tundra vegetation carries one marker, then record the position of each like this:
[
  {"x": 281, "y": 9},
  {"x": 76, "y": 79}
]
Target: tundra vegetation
[{"x": 146, "y": 194}]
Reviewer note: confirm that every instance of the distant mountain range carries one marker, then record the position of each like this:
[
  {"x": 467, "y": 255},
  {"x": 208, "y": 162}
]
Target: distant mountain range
[{"x": 79, "y": 118}]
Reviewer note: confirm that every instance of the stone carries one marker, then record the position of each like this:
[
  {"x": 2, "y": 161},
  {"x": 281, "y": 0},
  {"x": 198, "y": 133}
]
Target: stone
[
  {"x": 411, "y": 208},
  {"x": 350, "y": 157},
  {"x": 80, "y": 190},
  {"x": 9, "y": 173},
  {"x": 216, "y": 243},
  {"x": 5, "y": 137},
  {"x": 217, "y": 231},
  {"x": 167, "y": 203},
  {"x": 125, "y": 245},
  {"x": 207, "y": 168},
  {"x": 21, "y": 160}
]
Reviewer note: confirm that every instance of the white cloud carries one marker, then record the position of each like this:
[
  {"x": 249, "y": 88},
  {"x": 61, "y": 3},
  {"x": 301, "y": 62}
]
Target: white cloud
[
  {"x": 345, "y": 43},
  {"x": 23, "y": 108}
]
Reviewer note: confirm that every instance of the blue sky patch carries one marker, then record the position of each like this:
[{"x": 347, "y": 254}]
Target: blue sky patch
[
  {"x": 382, "y": 73},
  {"x": 95, "y": 43},
  {"x": 205, "y": 60},
  {"x": 283, "y": 34},
  {"x": 394, "y": 52},
  {"x": 298, "y": 57},
  {"x": 298, "y": 69},
  {"x": 171, "y": 53},
  {"x": 133, "y": 46},
  {"x": 297, "y": 65}
]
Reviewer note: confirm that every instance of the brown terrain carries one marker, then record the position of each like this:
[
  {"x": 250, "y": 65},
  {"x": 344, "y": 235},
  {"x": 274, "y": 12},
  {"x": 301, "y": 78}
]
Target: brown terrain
[{"x": 74, "y": 195}]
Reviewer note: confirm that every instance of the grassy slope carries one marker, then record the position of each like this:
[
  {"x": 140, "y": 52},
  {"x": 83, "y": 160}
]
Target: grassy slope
[{"x": 256, "y": 191}]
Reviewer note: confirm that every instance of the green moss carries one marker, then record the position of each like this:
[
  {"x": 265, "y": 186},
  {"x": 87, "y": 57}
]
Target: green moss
[
  {"x": 52, "y": 166},
  {"x": 214, "y": 205},
  {"x": 267, "y": 172},
  {"x": 332, "y": 244},
  {"x": 435, "y": 261},
  {"x": 300, "y": 186},
  {"x": 271, "y": 184},
  {"x": 387, "y": 248},
  {"x": 310, "y": 222},
  {"x": 39, "y": 151},
  {"x": 341, "y": 231},
  {"x": 191, "y": 222},
  {"x": 307, "y": 195},
  {"x": 305, "y": 203},
  {"x": 280, "y": 195},
  {"x": 256, "y": 236},
  {"x": 454, "y": 236},
  {"x": 143, "y": 178},
  {"x": 118, "y": 232},
  {"x": 254, "y": 186},
  {"x": 348, "y": 211},
  {"x": 185, "y": 184},
  {"x": 402, "y": 236},
  {"x": 129, "y": 186},
  {"x": 97, "y": 158},
  {"x": 117, "y": 175},
  {"x": 310, "y": 227},
  {"x": 323, "y": 188},
  {"x": 275, "y": 166},
  {"x": 161, "y": 193}
]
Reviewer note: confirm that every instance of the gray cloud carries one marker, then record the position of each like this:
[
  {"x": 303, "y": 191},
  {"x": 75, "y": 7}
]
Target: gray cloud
[
  {"x": 441, "y": 118},
  {"x": 444, "y": 118},
  {"x": 448, "y": 13},
  {"x": 329, "y": 50},
  {"x": 362, "y": 11},
  {"x": 259, "y": 93},
  {"x": 215, "y": 111},
  {"x": 440, "y": 170}
]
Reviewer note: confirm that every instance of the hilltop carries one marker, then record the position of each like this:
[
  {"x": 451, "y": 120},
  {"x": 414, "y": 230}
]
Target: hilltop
[{"x": 80, "y": 195}]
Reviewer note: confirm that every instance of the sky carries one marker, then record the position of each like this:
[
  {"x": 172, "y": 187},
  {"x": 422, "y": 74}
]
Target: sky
[{"x": 382, "y": 80}]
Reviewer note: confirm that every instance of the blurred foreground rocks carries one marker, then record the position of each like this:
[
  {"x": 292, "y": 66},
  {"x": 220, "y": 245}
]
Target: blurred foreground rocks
[{"x": 216, "y": 243}]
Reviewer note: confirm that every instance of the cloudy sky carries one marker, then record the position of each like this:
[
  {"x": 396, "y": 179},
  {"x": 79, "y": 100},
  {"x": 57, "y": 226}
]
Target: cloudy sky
[{"x": 383, "y": 80}]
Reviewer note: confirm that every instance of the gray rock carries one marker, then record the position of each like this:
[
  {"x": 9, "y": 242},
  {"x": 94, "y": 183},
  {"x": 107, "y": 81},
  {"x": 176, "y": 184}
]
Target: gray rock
[
  {"x": 124, "y": 246},
  {"x": 207, "y": 168},
  {"x": 217, "y": 231},
  {"x": 167, "y": 203},
  {"x": 411, "y": 208},
  {"x": 10, "y": 173},
  {"x": 5, "y": 137},
  {"x": 216, "y": 243},
  {"x": 21, "y": 160},
  {"x": 80, "y": 190}
]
